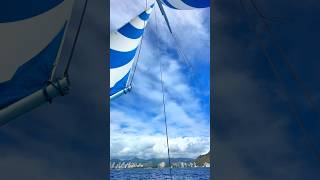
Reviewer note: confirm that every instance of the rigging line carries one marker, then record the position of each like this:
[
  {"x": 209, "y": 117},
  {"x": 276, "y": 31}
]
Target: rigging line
[
  {"x": 291, "y": 108},
  {"x": 184, "y": 57},
  {"x": 186, "y": 60},
  {"x": 164, "y": 15},
  {"x": 179, "y": 49},
  {"x": 136, "y": 62},
  {"x": 163, "y": 102},
  {"x": 66, "y": 71},
  {"x": 308, "y": 95},
  {"x": 140, "y": 46},
  {"x": 58, "y": 56}
]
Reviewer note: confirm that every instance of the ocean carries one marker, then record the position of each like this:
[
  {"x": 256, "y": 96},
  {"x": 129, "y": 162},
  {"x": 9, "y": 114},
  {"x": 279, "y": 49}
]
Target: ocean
[{"x": 150, "y": 174}]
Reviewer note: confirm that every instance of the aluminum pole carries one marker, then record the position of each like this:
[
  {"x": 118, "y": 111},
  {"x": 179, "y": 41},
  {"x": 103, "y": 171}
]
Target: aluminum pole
[
  {"x": 32, "y": 101},
  {"x": 124, "y": 91}
]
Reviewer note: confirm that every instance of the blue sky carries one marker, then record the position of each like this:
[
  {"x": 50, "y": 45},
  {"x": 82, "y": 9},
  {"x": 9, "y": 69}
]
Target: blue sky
[{"x": 137, "y": 124}]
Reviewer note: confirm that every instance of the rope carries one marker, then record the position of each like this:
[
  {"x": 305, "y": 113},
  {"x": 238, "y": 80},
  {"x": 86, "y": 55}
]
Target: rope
[
  {"x": 76, "y": 39},
  {"x": 163, "y": 102},
  {"x": 291, "y": 108},
  {"x": 185, "y": 59},
  {"x": 138, "y": 56},
  {"x": 56, "y": 86},
  {"x": 179, "y": 49}
]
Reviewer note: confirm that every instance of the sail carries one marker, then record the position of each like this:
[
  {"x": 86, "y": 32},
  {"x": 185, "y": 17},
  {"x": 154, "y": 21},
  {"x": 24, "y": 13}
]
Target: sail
[
  {"x": 186, "y": 4},
  {"x": 123, "y": 47},
  {"x": 31, "y": 34}
]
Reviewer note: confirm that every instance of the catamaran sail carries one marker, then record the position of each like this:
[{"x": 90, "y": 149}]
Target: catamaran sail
[
  {"x": 32, "y": 34},
  {"x": 186, "y": 4},
  {"x": 124, "y": 44}
]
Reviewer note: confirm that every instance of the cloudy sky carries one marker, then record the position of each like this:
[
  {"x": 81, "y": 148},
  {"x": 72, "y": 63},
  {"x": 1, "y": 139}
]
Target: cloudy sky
[{"x": 137, "y": 123}]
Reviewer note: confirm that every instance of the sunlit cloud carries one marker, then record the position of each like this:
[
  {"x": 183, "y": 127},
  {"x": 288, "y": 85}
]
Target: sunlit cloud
[{"x": 137, "y": 120}]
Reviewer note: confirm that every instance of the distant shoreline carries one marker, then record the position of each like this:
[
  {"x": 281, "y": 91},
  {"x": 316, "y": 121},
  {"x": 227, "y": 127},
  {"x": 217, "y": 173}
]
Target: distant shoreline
[{"x": 159, "y": 168}]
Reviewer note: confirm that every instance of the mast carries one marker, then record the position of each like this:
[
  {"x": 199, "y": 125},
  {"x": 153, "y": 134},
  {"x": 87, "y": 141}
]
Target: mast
[
  {"x": 120, "y": 93},
  {"x": 164, "y": 15}
]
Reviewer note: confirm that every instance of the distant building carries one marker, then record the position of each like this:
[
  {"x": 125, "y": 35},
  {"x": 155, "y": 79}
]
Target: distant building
[
  {"x": 162, "y": 165},
  {"x": 121, "y": 165},
  {"x": 206, "y": 164}
]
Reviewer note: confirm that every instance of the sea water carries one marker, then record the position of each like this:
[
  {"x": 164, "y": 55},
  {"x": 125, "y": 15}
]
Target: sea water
[{"x": 158, "y": 173}]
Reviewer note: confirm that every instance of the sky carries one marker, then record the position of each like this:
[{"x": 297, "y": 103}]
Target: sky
[
  {"x": 66, "y": 140},
  {"x": 254, "y": 135},
  {"x": 137, "y": 126}
]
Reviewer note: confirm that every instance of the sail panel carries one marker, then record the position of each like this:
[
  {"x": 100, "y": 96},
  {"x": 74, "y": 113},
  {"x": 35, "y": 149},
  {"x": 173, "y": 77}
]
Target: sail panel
[
  {"x": 123, "y": 58},
  {"x": 119, "y": 74},
  {"x": 120, "y": 42},
  {"x": 32, "y": 75},
  {"x": 131, "y": 31},
  {"x": 29, "y": 47},
  {"x": 123, "y": 47},
  {"x": 186, "y": 4},
  {"x": 120, "y": 85},
  {"x": 15, "y": 10}
]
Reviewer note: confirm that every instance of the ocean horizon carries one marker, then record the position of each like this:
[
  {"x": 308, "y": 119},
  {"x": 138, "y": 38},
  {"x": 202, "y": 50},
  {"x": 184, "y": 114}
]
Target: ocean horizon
[{"x": 200, "y": 173}]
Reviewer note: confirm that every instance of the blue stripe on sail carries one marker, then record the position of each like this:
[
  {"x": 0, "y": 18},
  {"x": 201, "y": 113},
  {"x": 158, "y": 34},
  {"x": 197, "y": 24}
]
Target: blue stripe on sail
[
  {"x": 144, "y": 16},
  {"x": 168, "y": 4},
  {"x": 197, "y": 3},
  {"x": 120, "y": 85},
  {"x": 118, "y": 59},
  {"x": 14, "y": 10},
  {"x": 32, "y": 75},
  {"x": 130, "y": 31}
]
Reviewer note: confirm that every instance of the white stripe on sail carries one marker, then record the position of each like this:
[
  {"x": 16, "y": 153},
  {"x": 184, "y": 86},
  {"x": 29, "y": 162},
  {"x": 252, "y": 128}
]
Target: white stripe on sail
[
  {"x": 138, "y": 23},
  {"x": 116, "y": 74},
  {"x": 121, "y": 43},
  {"x": 149, "y": 10},
  {"x": 22, "y": 40},
  {"x": 179, "y": 4}
]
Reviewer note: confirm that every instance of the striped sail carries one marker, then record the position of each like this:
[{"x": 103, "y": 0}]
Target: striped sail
[
  {"x": 186, "y": 4},
  {"x": 123, "y": 47},
  {"x": 31, "y": 34}
]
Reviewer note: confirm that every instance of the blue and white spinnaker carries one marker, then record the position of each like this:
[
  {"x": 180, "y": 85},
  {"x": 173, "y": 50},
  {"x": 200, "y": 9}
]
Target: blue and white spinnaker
[
  {"x": 124, "y": 44},
  {"x": 181, "y": 5},
  {"x": 186, "y": 4},
  {"x": 32, "y": 34}
]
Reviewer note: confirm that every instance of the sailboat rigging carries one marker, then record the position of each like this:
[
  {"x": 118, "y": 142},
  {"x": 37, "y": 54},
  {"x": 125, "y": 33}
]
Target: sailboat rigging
[
  {"x": 30, "y": 79},
  {"x": 124, "y": 44},
  {"x": 125, "y": 41}
]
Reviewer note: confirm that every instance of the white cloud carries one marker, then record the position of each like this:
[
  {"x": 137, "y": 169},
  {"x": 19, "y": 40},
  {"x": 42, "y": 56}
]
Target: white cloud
[
  {"x": 137, "y": 123},
  {"x": 147, "y": 147}
]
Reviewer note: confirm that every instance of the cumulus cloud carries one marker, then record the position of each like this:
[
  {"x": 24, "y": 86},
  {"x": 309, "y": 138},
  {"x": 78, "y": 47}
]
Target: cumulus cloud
[
  {"x": 147, "y": 147},
  {"x": 137, "y": 122}
]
